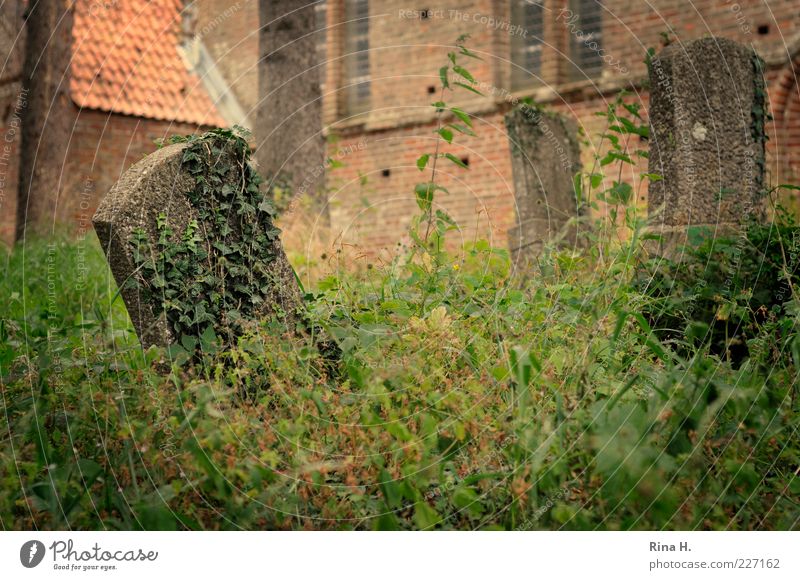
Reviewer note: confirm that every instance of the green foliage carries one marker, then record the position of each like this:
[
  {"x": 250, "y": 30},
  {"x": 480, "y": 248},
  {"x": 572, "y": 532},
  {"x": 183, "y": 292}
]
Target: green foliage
[
  {"x": 446, "y": 131},
  {"x": 594, "y": 397},
  {"x": 760, "y": 117},
  {"x": 458, "y": 403},
  {"x": 729, "y": 293},
  {"x": 208, "y": 278}
]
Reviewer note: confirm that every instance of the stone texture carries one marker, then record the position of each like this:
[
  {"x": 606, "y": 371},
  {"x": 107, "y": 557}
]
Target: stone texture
[
  {"x": 705, "y": 96},
  {"x": 156, "y": 185},
  {"x": 289, "y": 119},
  {"x": 545, "y": 156}
]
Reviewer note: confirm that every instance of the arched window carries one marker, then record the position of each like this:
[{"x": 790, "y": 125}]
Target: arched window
[
  {"x": 321, "y": 10},
  {"x": 585, "y": 39},
  {"x": 527, "y": 32},
  {"x": 356, "y": 61}
]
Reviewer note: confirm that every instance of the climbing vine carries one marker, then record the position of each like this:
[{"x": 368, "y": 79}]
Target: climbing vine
[
  {"x": 207, "y": 277},
  {"x": 760, "y": 118}
]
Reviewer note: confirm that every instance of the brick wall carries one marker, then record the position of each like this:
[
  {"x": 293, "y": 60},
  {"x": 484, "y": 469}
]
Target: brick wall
[
  {"x": 229, "y": 30},
  {"x": 372, "y": 194},
  {"x": 102, "y": 146},
  {"x": 407, "y": 50},
  {"x": 372, "y": 197}
]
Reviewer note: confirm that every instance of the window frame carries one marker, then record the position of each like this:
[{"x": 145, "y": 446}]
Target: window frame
[
  {"x": 520, "y": 50},
  {"x": 586, "y": 63},
  {"x": 356, "y": 53}
]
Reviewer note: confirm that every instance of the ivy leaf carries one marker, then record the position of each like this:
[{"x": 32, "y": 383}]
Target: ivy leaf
[{"x": 266, "y": 207}]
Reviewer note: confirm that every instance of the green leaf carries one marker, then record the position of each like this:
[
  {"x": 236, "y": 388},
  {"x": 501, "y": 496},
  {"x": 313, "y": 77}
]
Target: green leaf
[
  {"x": 426, "y": 517},
  {"x": 266, "y": 207},
  {"x": 466, "y": 498},
  {"x": 461, "y": 71},
  {"x": 461, "y": 115},
  {"x": 467, "y": 52},
  {"x": 443, "y": 77},
  {"x": 387, "y": 523},
  {"x": 390, "y": 490},
  {"x": 445, "y": 217},
  {"x": 612, "y": 156},
  {"x": 444, "y": 222},
  {"x": 446, "y": 134},
  {"x": 621, "y": 193},
  {"x": 456, "y": 160},
  {"x": 422, "y": 162},
  {"x": 469, "y": 88},
  {"x": 461, "y": 129},
  {"x": 424, "y": 192}
]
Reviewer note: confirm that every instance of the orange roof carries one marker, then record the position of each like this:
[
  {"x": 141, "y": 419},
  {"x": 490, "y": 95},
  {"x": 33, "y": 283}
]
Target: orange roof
[{"x": 125, "y": 60}]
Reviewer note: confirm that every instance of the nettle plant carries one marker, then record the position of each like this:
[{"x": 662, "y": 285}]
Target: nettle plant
[
  {"x": 606, "y": 183},
  {"x": 207, "y": 276},
  {"x": 451, "y": 120}
]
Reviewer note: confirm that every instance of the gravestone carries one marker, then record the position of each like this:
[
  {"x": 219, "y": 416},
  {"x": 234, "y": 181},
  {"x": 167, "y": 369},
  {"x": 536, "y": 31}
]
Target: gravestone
[
  {"x": 545, "y": 156},
  {"x": 708, "y": 112},
  {"x": 191, "y": 244}
]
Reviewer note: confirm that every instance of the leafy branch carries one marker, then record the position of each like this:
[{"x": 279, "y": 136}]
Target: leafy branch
[{"x": 452, "y": 76}]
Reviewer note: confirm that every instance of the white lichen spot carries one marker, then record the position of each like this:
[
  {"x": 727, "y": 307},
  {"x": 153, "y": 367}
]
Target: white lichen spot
[{"x": 699, "y": 132}]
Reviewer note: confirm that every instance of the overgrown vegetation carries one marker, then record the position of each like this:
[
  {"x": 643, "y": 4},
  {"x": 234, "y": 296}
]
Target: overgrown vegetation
[{"x": 609, "y": 392}]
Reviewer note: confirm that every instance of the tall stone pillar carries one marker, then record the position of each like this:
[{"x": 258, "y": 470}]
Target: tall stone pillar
[
  {"x": 545, "y": 155},
  {"x": 707, "y": 116}
]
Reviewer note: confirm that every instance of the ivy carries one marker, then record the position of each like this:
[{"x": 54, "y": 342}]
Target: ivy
[
  {"x": 208, "y": 278},
  {"x": 760, "y": 117}
]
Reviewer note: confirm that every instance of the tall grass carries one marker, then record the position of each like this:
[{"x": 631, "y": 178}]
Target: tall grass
[{"x": 460, "y": 400}]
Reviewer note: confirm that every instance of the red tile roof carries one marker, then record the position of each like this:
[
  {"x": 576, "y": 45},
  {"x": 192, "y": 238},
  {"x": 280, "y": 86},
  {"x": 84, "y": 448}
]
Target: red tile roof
[{"x": 125, "y": 60}]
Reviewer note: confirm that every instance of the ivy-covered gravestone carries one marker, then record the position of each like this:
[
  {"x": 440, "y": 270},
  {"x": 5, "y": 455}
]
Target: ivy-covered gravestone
[{"x": 191, "y": 243}]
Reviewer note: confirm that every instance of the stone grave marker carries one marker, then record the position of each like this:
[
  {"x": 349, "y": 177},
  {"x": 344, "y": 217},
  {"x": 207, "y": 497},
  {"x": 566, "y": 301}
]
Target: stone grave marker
[
  {"x": 707, "y": 116},
  {"x": 545, "y": 156},
  {"x": 191, "y": 243}
]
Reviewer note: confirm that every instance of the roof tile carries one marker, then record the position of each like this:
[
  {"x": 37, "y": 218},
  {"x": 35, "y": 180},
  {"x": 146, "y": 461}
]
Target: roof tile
[{"x": 133, "y": 45}]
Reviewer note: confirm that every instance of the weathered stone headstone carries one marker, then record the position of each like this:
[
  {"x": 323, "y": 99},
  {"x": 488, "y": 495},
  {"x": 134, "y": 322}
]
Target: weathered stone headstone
[
  {"x": 191, "y": 244},
  {"x": 545, "y": 156},
  {"x": 707, "y": 116}
]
